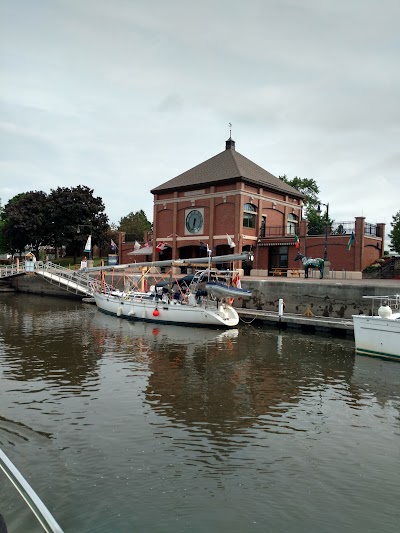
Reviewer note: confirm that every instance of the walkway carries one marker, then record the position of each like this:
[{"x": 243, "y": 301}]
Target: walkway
[
  {"x": 316, "y": 323},
  {"x": 75, "y": 281}
]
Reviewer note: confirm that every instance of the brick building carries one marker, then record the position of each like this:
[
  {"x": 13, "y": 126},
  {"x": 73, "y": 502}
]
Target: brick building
[
  {"x": 227, "y": 195},
  {"x": 230, "y": 198}
]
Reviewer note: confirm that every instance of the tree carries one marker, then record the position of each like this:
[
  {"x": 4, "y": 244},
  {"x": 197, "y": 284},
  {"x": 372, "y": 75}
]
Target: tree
[
  {"x": 306, "y": 186},
  {"x": 394, "y": 235},
  {"x": 26, "y": 221},
  {"x": 73, "y": 208},
  {"x": 135, "y": 224},
  {"x": 35, "y": 219},
  {"x": 316, "y": 221},
  {"x": 3, "y": 241}
]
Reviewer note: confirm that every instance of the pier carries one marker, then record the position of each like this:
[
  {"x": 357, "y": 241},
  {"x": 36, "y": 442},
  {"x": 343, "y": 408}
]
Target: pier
[{"x": 338, "y": 326}]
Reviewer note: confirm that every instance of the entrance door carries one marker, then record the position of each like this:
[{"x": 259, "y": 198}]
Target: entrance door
[{"x": 277, "y": 257}]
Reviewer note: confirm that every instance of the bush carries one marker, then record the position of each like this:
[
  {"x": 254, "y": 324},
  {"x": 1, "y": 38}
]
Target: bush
[{"x": 372, "y": 268}]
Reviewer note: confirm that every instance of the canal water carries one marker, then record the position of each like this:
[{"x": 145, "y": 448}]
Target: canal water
[{"x": 126, "y": 427}]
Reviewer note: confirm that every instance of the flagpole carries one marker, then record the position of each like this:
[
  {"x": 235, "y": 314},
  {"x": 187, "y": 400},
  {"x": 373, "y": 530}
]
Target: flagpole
[
  {"x": 326, "y": 228},
  {"x": 90, "y": 242}
]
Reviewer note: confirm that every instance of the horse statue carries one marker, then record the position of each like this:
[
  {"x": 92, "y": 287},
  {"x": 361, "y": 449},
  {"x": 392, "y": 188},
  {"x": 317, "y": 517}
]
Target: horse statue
[{"x": 309, "y": 262}]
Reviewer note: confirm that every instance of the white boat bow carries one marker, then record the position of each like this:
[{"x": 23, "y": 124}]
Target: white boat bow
[{"x": 379, "y": 335}]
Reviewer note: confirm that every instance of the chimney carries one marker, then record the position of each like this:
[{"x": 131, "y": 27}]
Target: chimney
[{"x": 230, "y": 144}]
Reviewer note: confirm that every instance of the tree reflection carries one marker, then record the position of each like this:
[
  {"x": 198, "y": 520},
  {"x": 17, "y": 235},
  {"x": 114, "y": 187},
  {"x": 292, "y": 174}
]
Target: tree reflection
[{"x": 45, "y": 338}]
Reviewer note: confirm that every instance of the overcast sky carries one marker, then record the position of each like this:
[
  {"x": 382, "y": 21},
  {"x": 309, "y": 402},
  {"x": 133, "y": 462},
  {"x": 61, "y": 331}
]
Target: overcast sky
[{"x": 123, "y": 95}]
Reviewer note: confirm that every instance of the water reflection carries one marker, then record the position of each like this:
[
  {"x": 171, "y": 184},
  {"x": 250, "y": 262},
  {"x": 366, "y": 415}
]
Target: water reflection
[
  {"x": 228, "y": 381},
  {"x": 115, "y": 412},
  {"x": 43, "y": 339},
  {"x": 254, "y": 379}
]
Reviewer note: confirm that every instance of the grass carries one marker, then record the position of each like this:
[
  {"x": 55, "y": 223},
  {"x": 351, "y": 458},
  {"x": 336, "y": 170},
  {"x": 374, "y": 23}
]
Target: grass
[{"x": 68, "y": 262}]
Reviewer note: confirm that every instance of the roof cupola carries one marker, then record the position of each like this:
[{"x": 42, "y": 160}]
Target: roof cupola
[{"x": 230, "y": 144}]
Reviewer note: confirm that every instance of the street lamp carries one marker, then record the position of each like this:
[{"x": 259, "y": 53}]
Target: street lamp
[
  {"x": 326, "y": 227},
  {"x": 78, "y": 230}
]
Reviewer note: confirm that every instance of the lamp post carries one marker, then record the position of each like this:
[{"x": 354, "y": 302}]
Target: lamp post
[
  {"x": 326, "y": 227},
  {"x": 78, "y": 230}
]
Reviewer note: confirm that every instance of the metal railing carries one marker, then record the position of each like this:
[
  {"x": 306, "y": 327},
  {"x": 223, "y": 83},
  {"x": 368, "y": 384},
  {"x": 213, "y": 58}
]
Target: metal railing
[
  {"x": 277, "y": 231},
  {"x": 335, "y": 228},
  {"x": 8, "y": 271},
  {"x": 75, "y": 281},
  {"x": 33, "y": 501},
  {"x": 370, "y": 229}
]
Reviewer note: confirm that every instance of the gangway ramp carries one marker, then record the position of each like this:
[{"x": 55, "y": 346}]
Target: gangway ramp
[
  {"x": 70, "y": 280},
  {"x": 10, "y": 271}
]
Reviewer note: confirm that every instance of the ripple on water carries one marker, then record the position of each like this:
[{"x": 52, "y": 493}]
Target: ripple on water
[{"x": 108, "y": 417}]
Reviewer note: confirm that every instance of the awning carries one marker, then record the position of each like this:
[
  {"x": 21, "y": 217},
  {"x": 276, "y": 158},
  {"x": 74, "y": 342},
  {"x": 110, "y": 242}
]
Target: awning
[
  {"x": 276, "y": 244},
  {"x": 146, "y": 250}
]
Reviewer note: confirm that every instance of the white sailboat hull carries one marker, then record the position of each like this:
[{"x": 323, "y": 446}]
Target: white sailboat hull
[
  {"x": 142, "y": 307},
  {"x": 377, "y": 336}
]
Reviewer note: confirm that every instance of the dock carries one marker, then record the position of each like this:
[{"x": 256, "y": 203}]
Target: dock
[{"x": 338, "y": 326}]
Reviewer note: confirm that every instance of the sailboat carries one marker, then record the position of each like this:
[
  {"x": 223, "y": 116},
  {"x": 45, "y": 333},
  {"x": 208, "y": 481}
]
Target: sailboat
[{"x": 204, "y": 300}]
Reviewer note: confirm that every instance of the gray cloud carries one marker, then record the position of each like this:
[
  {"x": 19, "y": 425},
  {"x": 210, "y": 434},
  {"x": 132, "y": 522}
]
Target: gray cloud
[{"x": 123, "y": 95}]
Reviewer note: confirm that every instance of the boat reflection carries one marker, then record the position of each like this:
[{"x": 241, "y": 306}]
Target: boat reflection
[
  {"x": 257, "y": 382},
  {"x": 147, "y": 338}
]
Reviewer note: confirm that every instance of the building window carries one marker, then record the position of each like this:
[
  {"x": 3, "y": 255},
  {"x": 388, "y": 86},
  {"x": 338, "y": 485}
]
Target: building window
[
  {"x": 249, "y": 216},
  {"x": 263, "y": 226},
  {"x": 292, "y": 224},
  {"x": 278, "y": 257}
]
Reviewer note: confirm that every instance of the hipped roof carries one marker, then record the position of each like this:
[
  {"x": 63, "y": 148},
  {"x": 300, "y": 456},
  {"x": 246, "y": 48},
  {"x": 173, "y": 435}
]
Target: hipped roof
[{"x": 226, "y": 166}]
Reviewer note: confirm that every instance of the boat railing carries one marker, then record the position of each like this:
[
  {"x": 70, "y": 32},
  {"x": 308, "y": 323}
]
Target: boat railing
[
  {"x": 101, "y": 286},
  {"x": 393, "y": 301},
  {"x": 33, "y": 501}
]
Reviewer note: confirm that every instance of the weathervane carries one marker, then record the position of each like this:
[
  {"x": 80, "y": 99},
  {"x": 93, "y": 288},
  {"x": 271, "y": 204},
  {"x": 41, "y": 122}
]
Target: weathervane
[{"x": 230, "y": 130}]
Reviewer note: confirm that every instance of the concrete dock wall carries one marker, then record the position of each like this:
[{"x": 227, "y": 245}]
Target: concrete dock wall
[
  {"x": 33, "y": 284},
  {"x": 321, "y": 297}
]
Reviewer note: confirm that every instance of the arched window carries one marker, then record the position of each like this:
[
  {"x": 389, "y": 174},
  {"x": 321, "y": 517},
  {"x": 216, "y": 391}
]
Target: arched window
[
  {"x": 292, "y": 222},
  {"x": 249, "y": 216}
]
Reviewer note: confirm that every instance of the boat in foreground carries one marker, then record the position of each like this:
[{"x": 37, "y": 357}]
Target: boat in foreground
[
  {"x": 35, "y": 504},
  {"x": 379, "y": 335},
  {"x": 205, "y": 301}
]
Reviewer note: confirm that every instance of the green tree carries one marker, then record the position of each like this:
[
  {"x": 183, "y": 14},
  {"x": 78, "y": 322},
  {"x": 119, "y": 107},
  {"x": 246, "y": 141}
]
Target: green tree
[
  {"x": 316, "y": 222},
  {"x": 316, "y": 219},
  {"x": 3, "y": 241},
  {"x": 35, "y": 219},
  {"x": 26, "y": 221},
  {"x": 73, "y": 208},
  {"x": 306, "y": 186},
  {"x": 135, "y": 224},
  {"x": 394, "y": 235}
]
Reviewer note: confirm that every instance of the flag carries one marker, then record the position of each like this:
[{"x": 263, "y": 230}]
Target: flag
[
  {"x": 236, "y": 281},
  {"x": 113, "y": 246},
  {"x": 230, "y": 241},
  {"x": 161, "y": 246},
  {"x": 88, "y": 245},
  {"x": 296, "y": 241},
  {"x": 351, "y": 240},
  {"x": 136, "y": 246}
]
